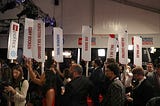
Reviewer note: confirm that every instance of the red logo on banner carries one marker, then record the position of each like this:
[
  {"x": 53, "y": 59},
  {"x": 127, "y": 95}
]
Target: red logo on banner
[
  {"x": 79, "y": 41},
  {"x": 93, "y": 41},
  {"x": 29, "y": 37},
  {"x": 112, "y": 35},
  {"x": 15, "y": 27}
]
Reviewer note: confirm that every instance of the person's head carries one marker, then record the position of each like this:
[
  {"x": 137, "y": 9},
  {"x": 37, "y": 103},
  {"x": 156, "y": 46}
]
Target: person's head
[
  {"x": 150, "y": 67},
  {"x": 75, "y": 70},
  {"x": 17, "y": 72},
  {"x": 6, "y": 73},
  {"x": 66, "y": 73},
  {"x": 129, "y": 68},
  {"x": 108, "y": 61},
  {"x": 112, "y": 70},
  {"x": 138, "y": 73},
  {"x": 97, "y": 62}
]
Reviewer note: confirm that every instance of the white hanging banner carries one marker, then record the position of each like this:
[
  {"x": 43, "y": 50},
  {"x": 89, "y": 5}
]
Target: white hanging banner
[
  {"x": 58, "y": 44},
  {"x": 86, "y": 43},
  {"x": 112, "y": 46},
  {"x": 28, "y": 36},
  {"x": 123, "y": 47},
  {"x": 137, "y": 41},
  {"x": 13, "y": 40},
  {"x": 38, "y": 49}
]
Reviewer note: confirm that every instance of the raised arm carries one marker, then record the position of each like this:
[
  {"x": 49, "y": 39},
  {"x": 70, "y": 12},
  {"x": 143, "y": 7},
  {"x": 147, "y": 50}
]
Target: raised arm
[{"x": 40, "y": 81}]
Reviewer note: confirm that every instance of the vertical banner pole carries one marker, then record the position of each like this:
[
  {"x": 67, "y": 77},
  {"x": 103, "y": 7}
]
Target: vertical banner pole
[
  {"x": 78, "y": 57},
  {"x": 11, "y": 60},
  {"x": 87, "y": 68},
  {"x": 58, "y": 65},
  {"x": 42, "y": 71}
]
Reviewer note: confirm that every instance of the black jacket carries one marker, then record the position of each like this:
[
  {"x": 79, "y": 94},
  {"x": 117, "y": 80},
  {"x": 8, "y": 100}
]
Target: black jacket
[
  {"x": 76, "y": 92},
  {"x": 142, "y": 93}
]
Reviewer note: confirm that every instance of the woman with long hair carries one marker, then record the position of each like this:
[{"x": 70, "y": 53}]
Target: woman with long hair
[
  {"x": 19, "y": 87},
  {"x": 47, "y": 81}
]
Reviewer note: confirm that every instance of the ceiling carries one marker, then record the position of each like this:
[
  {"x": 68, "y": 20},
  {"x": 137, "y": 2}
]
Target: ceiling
[{"x": 149, "y": 5}]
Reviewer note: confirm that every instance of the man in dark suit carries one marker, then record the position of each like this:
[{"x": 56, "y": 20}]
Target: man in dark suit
[
  {"x": 98, "y": 78},
  {"x": 115, "y": 94},
  {"x": 143, "y": 90},
  {"x": 77, "y": 90}
]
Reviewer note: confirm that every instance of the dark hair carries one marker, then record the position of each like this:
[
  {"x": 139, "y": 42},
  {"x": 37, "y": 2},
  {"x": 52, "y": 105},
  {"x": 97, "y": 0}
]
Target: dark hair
[
  {"x": 19, "y": 68},
  {"x": 110, "y": 60},
  {"x": 6, "y": 74},
  {"x": 115, "y": 68},
  {"x": 98, "y": 62},
  {"x": 17, "y": 82},
  {"x": 138, "y": 70}
]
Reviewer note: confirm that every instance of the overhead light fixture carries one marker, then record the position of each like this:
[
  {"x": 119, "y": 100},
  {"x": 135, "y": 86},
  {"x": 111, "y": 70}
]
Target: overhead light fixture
[{"x": 49, "y": 21}]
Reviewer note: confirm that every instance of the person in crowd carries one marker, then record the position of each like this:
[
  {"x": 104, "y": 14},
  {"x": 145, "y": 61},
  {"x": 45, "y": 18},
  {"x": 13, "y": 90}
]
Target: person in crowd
[
  {"x": 19, "y": 87},
  {"x": 58, "y": 81},
  {"x": 34, "y": 97},
  {"x": 126, "y": 78},
  {"x": 115, "y": 94},
  {"x": 48, "y": 82},
  {"x": 5, "y": 80},
  {"x": 78, "y": 89},
  {"x": 149, "y": 69},
  {"x": 155, "y": 101},
  {"x": 98, "y": 78},
  {"x": 154, "y": 78},
  {"x": 107, "y": 80},
  {"x": 142, "y": 91},
  {"x": 67, "y": 78},
  {"x": 91, "y": 68}
]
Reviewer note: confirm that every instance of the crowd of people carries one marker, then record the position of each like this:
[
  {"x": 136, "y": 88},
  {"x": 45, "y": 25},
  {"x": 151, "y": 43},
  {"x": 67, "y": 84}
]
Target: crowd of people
[{"x": 108, "y": 84}]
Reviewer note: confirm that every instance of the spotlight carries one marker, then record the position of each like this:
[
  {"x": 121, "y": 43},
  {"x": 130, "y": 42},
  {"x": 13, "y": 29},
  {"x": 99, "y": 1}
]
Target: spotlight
[
  {"x": 52, "y": 22},
  {"x": 49, "y": 21}
]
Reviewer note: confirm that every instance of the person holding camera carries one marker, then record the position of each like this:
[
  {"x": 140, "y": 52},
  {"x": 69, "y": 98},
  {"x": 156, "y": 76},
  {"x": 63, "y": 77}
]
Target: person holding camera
[{"x": 19, "y": 87}]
